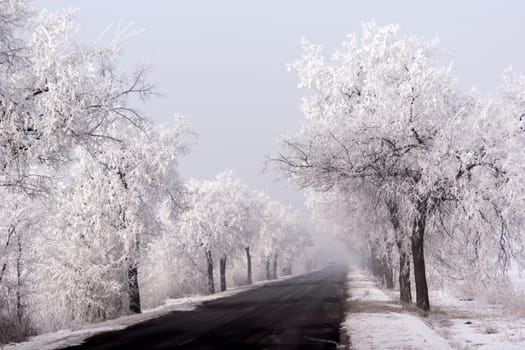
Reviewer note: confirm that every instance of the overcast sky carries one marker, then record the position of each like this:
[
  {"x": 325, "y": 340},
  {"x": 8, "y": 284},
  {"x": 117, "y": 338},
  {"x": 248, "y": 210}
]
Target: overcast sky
[{"x": 221, "y": 64}]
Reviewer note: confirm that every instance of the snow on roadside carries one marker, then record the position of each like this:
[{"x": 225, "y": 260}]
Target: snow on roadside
[
  {"x": 374, "y": 321},
  {"x": 392, "y": 331},
  {"x": 363, "y": 289},
  {"x": 64, "y": 338}
]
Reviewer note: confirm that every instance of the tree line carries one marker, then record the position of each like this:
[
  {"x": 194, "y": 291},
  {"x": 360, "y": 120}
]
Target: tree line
[
  {"x": 389, "y": 136},
  {"x": 96, "y": 222}
]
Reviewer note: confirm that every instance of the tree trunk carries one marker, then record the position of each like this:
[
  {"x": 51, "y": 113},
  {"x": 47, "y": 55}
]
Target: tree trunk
[
  {"x": 274, "y": 270},
  {"x": 19, "y": 307},
  {"x": 268, "y": 271},
  {"x": 405, "y": 293},
  {"x": 418, "y": 256},
  {"x": 211, "y": 285},
  {"x": 376, "y": 265},
  {"x": 287, "y": 270},
  {"x": 249, "y": 279},
  {"x": 132, "y": 267},
  {"x": 389, "y": 275},
  {"x": 10, "y": 234},
  {"x": 222, "y": 263},
  {"x": 133, "y": 286}
]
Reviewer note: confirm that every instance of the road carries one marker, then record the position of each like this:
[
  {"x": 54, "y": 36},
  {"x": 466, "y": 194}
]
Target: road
[{"x": 304, "y": 312}]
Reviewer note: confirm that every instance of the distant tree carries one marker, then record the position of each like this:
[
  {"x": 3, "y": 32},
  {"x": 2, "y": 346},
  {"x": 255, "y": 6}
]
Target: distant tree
[
  {"x": 361, "y": 221},
  {"x": 219, "y": 218},
  {"x": 282, "y": 237}
]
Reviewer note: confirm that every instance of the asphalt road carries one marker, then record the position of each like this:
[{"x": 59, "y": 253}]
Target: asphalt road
[{"x": 299, "y": 313}]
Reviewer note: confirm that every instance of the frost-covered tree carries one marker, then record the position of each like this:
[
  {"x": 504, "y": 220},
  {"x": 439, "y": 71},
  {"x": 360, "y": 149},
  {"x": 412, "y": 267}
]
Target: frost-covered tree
[
  {"x": 74, "y": 148},
  {"x": 385, "y": 119},
  {"x": 482, "y": 227},
  {"x": 14, "y": 15},
  {"x": 59, "y": 95},
  {"x": 282, "y": 236},
  {"x": 225, "y": 219},
  {"x": 293, "y": 244},
  {"x": 270, "y": 233},
  {"x": 374, "y": 118},
  {"x": 19, "y": 221},
  {"x": 106, "y": 215},
  {"x": 63, "y": 102},
  {"x": 221, "y": 219}
]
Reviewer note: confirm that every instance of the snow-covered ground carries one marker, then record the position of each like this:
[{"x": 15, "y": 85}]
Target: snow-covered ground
[
  {"x": 69, "y": 337},
  {"x": 473, "y": 324},
  {"x": 376, "y": 321}
]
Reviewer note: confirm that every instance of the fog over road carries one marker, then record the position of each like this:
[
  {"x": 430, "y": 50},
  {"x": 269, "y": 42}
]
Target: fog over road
[{"x": 304, "y": 312}]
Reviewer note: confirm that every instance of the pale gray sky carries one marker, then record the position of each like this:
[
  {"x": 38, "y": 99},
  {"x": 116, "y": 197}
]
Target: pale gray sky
[{"x": 222, "y": 63}]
